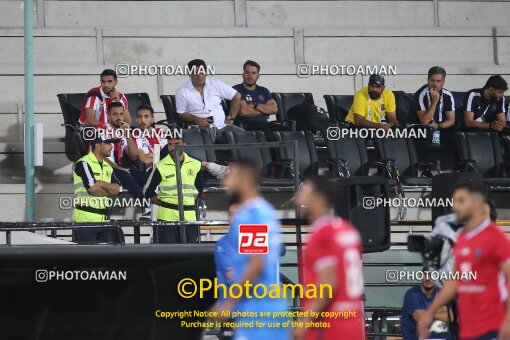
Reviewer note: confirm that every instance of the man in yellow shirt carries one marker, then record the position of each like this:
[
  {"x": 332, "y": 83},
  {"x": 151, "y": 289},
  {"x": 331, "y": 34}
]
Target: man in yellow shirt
[{"x": 373, "y": 106}]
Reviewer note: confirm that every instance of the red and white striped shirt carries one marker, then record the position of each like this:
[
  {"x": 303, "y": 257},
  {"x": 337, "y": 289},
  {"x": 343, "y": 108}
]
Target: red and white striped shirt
[{"x": 98, "y": 101}]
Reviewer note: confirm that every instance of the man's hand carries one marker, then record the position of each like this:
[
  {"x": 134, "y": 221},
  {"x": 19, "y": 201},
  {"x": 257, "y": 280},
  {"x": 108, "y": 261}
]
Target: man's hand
[
  {"x": 434, "y": 96},
  {"x": 424, "y": 324},
  {"x": 385, "y": 126},
  {"x": 435, "y": 126},
  {"x": 202, "y": 122},
  {"x": 229, "y": 121},
  {"x": 124, "y": 126},
  {"x": 496, "y": 126}
]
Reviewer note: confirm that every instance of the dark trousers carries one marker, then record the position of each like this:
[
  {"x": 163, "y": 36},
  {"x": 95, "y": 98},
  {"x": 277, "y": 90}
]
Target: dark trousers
[
  {"x": 133, "y": 181},
  {"x": 93, "y": 235},
  {"x": 172, "y": 234}
]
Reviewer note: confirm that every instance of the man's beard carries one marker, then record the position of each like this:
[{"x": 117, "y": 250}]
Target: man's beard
[
  {"x": 463, "y": 219},
  {"x": 427, "y": 289},
  {"x": 374, "y": 95}
]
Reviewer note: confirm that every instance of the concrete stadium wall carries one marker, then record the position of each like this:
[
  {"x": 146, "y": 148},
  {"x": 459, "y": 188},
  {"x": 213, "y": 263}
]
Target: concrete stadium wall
[{"x": 51, "y": 13}]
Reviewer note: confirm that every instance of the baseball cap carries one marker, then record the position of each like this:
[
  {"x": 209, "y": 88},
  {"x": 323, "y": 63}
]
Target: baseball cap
[{"x": 376, "y": 79}]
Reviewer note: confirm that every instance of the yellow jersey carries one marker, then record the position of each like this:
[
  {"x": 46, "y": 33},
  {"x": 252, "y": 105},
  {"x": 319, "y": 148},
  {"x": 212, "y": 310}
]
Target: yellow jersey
[{"x": 370, "y": 109}]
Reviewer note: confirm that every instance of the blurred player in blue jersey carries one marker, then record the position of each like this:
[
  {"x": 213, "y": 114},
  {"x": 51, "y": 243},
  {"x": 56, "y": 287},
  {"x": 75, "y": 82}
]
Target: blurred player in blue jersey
[
  {"x": 223, "y": 251},
  {"x": 242, "y": 182}
]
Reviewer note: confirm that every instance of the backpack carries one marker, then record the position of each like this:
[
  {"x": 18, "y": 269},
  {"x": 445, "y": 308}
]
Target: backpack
[{"x": 309, "y": 117}]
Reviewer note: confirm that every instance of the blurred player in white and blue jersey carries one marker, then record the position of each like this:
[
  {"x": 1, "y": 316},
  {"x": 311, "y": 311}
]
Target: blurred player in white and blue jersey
[{"x": 242, "y": 182}]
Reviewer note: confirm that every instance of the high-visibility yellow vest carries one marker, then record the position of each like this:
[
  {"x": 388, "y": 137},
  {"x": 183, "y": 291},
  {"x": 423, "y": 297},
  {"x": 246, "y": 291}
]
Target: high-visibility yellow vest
[
  {"x": 167, "y": 191},
  {"x": 82, "y": 196}
]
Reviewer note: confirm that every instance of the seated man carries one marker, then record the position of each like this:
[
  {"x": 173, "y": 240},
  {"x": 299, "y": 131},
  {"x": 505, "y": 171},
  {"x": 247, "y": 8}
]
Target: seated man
[
  {"x": 131, "y": 178},
  {"x": 147, "y": 142},
  {"x": 94, "y": 110},
  {"x": 484, "y": 109},
  {"x": 435, "y": 106},
  {"x": 257, "y": 104},
  {"x": 416, "y": 301},
  {"x": 198, "y": 101},
  {"x": 373, "y": 106}
]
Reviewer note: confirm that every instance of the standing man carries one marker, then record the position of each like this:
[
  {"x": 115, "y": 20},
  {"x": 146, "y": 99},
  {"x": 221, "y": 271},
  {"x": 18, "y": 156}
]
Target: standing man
[
  {"x": 333, "y": 257},
  {"x": 257, "y": 104},
  {"x": 483, "y": 251},
  {"x": 416, "y": 301},
  {"x": 164, "y": 178},
  {"x": 94, "y": 183},
  {"x": 243, "y": 182},
  {"x": 94, "y": 110},
  {"x": 484, "y": 109},
  {"x": 373, "y": 106},
  {"x": 198, "y": 101}
]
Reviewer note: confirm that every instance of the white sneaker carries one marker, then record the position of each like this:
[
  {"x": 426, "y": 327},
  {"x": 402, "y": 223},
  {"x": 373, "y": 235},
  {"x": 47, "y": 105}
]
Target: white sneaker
[{"x": 218, "y": 170}]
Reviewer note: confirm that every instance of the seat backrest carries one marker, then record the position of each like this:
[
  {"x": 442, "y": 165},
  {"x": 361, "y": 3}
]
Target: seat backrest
[
  {"x": 482, "y": 147},
  {"x": 306, "y": 152},
  {"x": 287, "y": 100},
  {"x": 71, "y": 104},
  {"x": 401, "y": 150},
  {"x": 338, "y": 106},
  {"x": 404, "y": 103},
  {"x": 172, "y": 116},
  {"x": 135, "y": 100},
  {"x": 458, "y": 97},
  {"x": 199, "y": 136},
  {"x": 261, "y": 156},
  {"x": 352, "y": 150}
]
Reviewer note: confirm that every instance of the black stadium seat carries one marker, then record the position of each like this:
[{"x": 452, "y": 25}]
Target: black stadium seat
[
  {"x": 262, "y": 156},
  {"x": 338, "y": 106},
  {"x": 348, "y": 157},
  {"x": 134, "y": 101},
  {"x": 172, "y": 116},
  {"x": 459, "y": 111},
  {"x": 480, "y": 152},
  {"x": 308, "y": 164},
  {"x": 70, "y": 104},
  {"x": 402, "y": 152},
  {"x": 287, "y": 100},
  {"x": 404, "y": 102}
]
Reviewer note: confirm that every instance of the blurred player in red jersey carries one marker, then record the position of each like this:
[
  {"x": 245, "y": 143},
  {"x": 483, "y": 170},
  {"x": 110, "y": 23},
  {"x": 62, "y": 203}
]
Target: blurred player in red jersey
[
  {"x": 482, "y": 249},
  {"x": 332, "y": 256}
]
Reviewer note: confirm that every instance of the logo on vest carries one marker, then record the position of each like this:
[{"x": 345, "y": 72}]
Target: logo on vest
[
  {"x": 190, "y": 172},
  {"x": 170, "y": 176}
]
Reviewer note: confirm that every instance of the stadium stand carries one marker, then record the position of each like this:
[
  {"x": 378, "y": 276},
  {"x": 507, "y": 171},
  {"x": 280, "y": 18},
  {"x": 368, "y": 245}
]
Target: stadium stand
[{"x": 471, "y": 39}]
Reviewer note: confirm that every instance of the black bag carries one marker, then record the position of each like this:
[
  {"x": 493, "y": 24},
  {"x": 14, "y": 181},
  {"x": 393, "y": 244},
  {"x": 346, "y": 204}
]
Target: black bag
[{"x": 309, "y": 117}]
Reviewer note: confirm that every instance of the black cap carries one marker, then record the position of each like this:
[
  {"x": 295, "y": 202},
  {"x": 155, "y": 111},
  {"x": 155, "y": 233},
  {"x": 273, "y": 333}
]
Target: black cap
[{"x": 376, "y": 79}]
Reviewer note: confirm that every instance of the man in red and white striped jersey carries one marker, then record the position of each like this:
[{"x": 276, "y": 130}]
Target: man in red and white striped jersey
[
  {"x": 94, "y": 110},
  {"x": 332, "y": 257}
]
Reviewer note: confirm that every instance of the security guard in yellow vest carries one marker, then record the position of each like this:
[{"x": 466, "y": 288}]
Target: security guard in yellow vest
[
  {"x": 163, "y": 176},
  {"x": 94, "y": 184}
]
